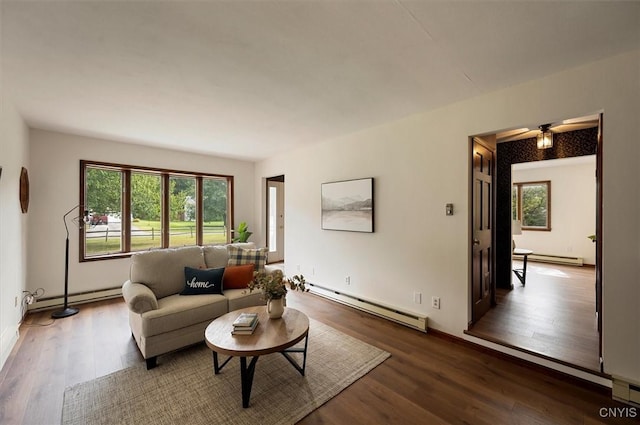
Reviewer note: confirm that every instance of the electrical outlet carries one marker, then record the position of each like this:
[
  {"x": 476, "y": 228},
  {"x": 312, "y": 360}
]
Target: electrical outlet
[
  {"x": 435, "y": 302},
  {"x": 347, "y": 280},
  {"x": 417, "y": 297}
]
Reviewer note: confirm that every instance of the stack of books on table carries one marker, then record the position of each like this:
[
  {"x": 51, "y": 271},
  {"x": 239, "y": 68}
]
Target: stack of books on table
[{"x": 245, "y": 324}]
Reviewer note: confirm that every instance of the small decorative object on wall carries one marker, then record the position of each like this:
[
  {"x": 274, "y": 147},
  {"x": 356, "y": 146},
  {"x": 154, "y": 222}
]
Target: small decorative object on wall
[
  {"x": 348, "y": 205},
  {"x": 24, "y": 190}
]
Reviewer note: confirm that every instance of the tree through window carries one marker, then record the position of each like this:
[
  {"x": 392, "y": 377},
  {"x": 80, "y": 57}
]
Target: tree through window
[
  {"x": 532, "y": 204},
  {"x": 138, "y": 208}
]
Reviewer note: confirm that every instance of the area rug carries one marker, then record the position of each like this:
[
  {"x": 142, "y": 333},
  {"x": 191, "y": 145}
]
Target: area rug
[{"x": 184, "y": 390}]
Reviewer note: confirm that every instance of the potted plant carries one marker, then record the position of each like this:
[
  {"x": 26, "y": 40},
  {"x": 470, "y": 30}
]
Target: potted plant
[
  {"x": 274, "y": 289},
  {"x": 243, "y": 233}
]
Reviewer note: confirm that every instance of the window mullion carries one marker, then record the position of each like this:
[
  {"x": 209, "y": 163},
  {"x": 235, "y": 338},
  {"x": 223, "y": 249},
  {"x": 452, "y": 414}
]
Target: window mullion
[
  {"x": 165, "y": 210},
  {"x": 125, "y": 219},
  {"x": 199, "y": 211},
  {"x": 519, "y": 191}
]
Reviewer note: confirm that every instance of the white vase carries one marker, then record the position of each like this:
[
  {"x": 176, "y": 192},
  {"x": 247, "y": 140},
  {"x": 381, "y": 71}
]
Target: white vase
[{"x": 275, "y": 308}]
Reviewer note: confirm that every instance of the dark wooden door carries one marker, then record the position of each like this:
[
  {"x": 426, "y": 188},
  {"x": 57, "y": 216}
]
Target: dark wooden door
[
  {"x": 599, "y": 239},
  {"x": 483, "y": 207}
]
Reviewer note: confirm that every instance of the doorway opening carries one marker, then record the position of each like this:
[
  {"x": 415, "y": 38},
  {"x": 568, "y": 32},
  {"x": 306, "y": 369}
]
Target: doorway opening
[
  {"x": 275, "y": 219},
  {"x": 553, "y": 312}
]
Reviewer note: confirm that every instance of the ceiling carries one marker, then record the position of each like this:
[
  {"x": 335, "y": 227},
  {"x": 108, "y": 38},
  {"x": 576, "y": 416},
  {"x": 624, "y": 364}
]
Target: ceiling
[
  {"x": 563, "y": 126},
  {"x": 249, "y": 80},
  {"x": 557, "y": 162}
]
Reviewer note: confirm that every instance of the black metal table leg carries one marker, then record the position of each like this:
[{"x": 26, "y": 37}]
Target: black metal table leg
[
  {"x": 246, "y": 377},
  {"x": 216, "y": 367},
  {"x": 521, "y": 274},
  {"x": 524, "y": 270},
  {"x": 298, "y": 350}
]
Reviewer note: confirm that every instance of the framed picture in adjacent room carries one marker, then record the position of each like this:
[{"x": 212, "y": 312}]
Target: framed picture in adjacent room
[
  {"x": 348, "y": 205},
  {"x": 24, "y": 190}
]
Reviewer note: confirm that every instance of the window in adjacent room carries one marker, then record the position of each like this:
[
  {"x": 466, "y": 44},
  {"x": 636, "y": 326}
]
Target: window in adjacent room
[
  {"x": 531, "y": 203},
  {"x": 138, "y": 208}
]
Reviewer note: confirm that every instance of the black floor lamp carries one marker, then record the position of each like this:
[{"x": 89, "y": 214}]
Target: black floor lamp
[{"x": 80, "y": 221}]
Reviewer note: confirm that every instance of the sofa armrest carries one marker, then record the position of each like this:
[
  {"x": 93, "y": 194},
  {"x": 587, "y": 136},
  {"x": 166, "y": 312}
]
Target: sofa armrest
[{"x": 139, "y": 297}]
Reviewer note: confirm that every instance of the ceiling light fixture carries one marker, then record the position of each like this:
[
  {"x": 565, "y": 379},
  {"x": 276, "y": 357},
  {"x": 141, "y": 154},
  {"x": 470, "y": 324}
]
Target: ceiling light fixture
[{"x": 545, "y": 138}]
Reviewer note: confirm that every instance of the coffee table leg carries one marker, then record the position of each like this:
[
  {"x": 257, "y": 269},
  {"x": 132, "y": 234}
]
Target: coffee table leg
[
  {"x": 216, "y": 366},
  {"x": 298, "y": 350},
  {"x": 246, "y": 377}
]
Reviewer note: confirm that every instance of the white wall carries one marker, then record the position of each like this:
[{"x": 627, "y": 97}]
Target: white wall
[
  {"x": 573, "y": 207},
  {"x": 422, "y": 162},
  {"x": 14, "y": 148},
  {"x": 55, "y": 169}
]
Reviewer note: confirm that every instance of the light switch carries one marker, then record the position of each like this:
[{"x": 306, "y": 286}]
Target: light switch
[{"x": 449, "y": 209}]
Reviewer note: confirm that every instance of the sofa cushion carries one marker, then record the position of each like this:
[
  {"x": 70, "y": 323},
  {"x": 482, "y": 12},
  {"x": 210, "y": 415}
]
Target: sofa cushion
[
  {"x": 237, "y": 277},
  {"x": 177, "y": 312},
  {"x": 163, "y": 270},
  {"x": 239, "y": 256},
  {"x": 217, "y": 256},
  {"x": 241, "y": 298},
  {"x": 202, "y": 281}
]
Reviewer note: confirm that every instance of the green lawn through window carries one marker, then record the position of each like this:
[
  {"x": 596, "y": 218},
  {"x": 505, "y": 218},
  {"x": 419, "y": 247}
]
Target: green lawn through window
[{"x": 147, "y": 234}]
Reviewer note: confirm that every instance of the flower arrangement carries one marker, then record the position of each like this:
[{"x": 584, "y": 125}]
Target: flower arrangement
[{"x": 274, "y": 285}]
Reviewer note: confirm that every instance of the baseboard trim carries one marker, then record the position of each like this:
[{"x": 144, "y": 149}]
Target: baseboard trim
[
  {"x": 77, "y": 298},
  {"x": 555, "y": 259}
]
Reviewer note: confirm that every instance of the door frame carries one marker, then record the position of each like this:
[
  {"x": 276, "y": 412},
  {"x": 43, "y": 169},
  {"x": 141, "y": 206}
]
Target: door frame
[
  {"x": 599, "y": 199},
  {"x": 599, "y": 234},
  {"x": 279, "y": 179}
]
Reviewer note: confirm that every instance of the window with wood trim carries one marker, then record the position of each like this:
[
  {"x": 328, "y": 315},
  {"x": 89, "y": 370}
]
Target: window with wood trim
[
  {"x": 138, "y": 208},
  {"x": 531, "y": 204}
]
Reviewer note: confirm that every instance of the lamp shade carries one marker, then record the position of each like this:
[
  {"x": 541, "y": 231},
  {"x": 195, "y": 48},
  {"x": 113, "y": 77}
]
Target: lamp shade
[{"x": 516, "y": 227}]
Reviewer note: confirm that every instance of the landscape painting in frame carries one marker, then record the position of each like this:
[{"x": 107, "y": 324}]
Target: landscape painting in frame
[{"x": 348, "y": 205}]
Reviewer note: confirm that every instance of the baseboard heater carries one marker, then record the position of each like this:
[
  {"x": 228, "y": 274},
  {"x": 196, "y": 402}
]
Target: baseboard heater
[
  {"x": 412, "y": 320},
  {"x": 625, "y": 391},
  {"x": 555, "y": 259},
  {"x": 82, "y": 297}
]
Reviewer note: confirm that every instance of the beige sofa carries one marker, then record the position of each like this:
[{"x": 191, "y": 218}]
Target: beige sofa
[{"x": 161, "y": 319}]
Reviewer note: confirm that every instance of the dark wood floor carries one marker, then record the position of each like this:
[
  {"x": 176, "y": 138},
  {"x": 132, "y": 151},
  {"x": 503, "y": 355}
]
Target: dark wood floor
[
  {"x": 429, "y": 379},
  {"x": 553, "y": 315}
]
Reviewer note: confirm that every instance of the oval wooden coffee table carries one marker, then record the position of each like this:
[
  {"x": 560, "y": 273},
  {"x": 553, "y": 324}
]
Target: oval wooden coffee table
[{"x": 270, "y": 336}]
